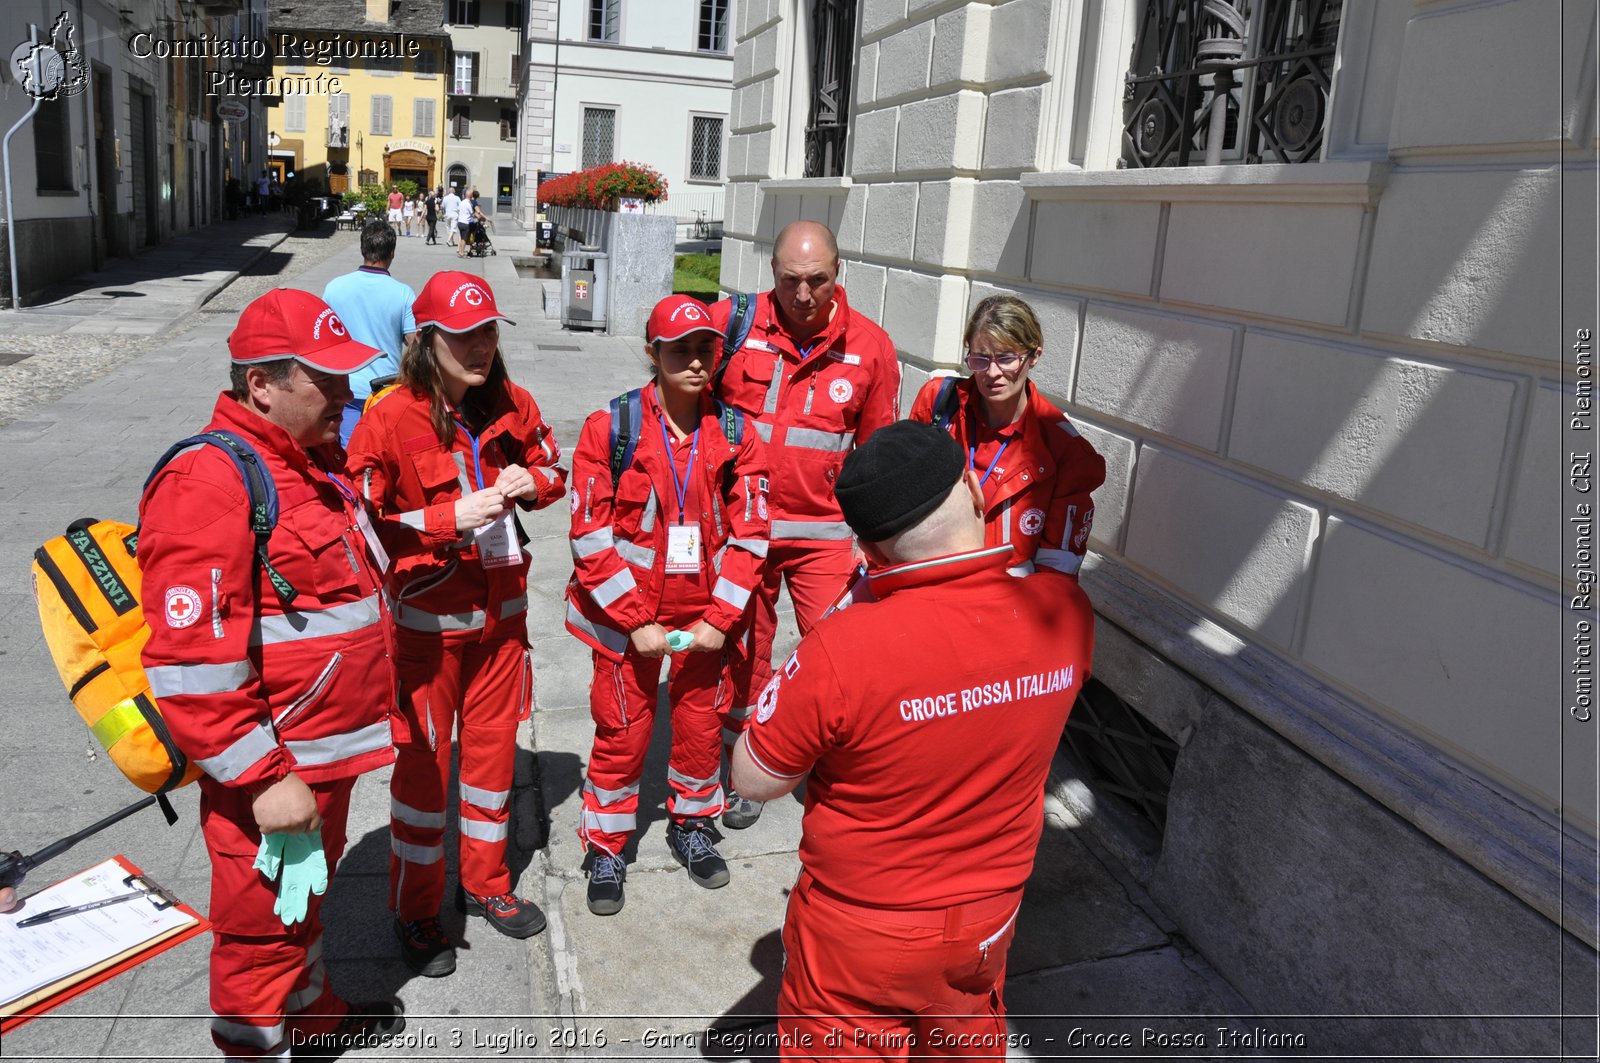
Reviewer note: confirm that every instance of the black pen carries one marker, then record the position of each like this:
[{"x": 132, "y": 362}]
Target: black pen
[{"x": 57, "y": 913}]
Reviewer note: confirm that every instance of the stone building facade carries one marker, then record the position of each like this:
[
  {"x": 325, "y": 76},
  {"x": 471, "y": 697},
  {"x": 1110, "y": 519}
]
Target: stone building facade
[{"x": 1322, "y": 336}]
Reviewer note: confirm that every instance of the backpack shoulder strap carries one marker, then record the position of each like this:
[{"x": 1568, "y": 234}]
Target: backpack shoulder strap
[
  {"x": 740, "y": 318},
  {"x": 626, "y": 413},
  {"x": 259, "y": 489},
  {"x": 946, "y": 402},
  {"x": 732, "y": 422}
]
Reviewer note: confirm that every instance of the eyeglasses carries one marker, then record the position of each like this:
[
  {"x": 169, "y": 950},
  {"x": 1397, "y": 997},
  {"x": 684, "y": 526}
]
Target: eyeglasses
[{"x": 1008, "y": 361}]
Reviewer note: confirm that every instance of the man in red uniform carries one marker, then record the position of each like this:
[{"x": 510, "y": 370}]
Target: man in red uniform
[
  {"x": 282, "y": 696},
  {"x": 817, "y": 378},
  {"x": 925, "y": 721}
]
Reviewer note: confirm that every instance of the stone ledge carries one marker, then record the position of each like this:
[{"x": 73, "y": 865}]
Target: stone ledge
[
  {"x": 817, "y": 186},
  {"x": 1358, "y": 183},
  {"x": 1546, "y": 864}
]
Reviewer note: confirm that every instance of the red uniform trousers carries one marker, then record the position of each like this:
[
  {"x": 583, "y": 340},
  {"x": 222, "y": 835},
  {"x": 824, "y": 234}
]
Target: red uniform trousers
[
  {"x": 893, "y": 984},
  {"x": 817, "y": 573},
  {"x": 268, "y": 985},
  {"x": 486, "y": 688},
  {"x": 622, "y": 700}
]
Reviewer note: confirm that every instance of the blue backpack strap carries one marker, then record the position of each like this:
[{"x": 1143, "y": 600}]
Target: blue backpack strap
[
  {"x": 946, "y": 402},
  {"x": 732, "y": 422},
  {"x": 626, "y": 413},
  {"x": 740, "y": 318},
  {"x": 259, "y": 489}
]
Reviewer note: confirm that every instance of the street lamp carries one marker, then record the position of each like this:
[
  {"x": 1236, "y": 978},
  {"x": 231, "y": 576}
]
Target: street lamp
[{"x": 361, "y": 158}]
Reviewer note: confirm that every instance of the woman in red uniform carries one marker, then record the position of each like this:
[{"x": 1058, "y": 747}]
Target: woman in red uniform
[
  {"x": 669, "y": 535},
  {"x": 456, "y": 429},
  {"x": 1036, "y": 470}
]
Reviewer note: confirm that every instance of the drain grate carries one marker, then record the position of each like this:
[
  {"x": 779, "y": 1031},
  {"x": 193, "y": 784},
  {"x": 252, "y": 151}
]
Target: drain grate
[
  {"x": 13, "y": 357},
  {"x": 557, "y": 347},
  {"x": 1122, "y": 752}
]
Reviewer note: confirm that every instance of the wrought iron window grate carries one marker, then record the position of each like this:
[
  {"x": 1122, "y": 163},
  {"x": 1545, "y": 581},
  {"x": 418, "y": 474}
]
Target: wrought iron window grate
[
  {"x": 1122, "y": 753},
  {"x": 833, "y": 38},
  {"x": 599, "y": 127},
  {"x": 1215, "y": 81},
  {"x": 705, "y": 150}
]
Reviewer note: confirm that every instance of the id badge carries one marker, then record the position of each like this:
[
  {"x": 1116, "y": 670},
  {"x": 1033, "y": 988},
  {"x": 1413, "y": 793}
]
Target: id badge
[
  {"x": 683, "y": 549},
  {"x": 370, "y": 534},
  {"x": 497, "y": 543}
]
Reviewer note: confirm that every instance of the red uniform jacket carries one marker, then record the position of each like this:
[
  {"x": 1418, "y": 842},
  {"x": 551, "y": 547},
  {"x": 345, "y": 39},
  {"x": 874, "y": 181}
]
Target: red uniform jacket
[
  {"x": 619, "y": 538},
  {"x": 252, "y": 689},
  {"x": 1037, "y": 499},
  {"x": 811, "y": 411},
  {"x": 399, "y": 463}
]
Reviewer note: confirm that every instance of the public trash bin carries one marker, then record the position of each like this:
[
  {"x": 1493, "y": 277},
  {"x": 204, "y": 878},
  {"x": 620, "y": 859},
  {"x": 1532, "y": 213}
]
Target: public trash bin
[
  {"x": 547, "y": 234},
  {"x": 583, "y": 288}
]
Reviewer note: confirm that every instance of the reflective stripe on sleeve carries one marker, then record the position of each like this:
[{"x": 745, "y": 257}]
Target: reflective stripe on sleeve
[
  {"x": 636, "y": 555},
  {"x": 334, "y": 748},
  {"x": 810, "y": 529},
  {"x": 316, "y": 623},
  {"x": 167, "y": 680},
  {"x": 613, "y": 588},
  {"x": 609, "y": 637},
  {"x": 731, "y": 593},
  {"x": 1060, "y": 560},
  {"x": 512, "y": 606},
  {"x": 415, "y": 518},
  {"x": 488, "y": 800},
  {"x": 245, "y": 753},
  {"x": 415, "y": 816},
  {"x": 593, "y": 543},
  {"x": 758, "y": 547}
]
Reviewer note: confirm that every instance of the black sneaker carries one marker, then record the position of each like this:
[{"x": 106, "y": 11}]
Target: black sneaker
[
  {"x": 606, "y": 875},
  {"x": 425, "y": 947},
  {"x": 507, "y": 913},
  {"x": 740, "y": 812},
  {"x": 690, "y": 842},
  {"x": 368, "y": 1025}
]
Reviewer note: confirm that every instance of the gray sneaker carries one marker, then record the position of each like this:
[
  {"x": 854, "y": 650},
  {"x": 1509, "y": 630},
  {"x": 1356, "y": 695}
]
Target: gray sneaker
[
  {"x": 606, "y": 875},
  {"x": 740, "y": 812}
]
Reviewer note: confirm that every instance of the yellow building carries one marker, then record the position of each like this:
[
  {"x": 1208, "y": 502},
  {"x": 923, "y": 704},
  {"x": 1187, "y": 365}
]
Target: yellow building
[{"x": 359, "y": 92}]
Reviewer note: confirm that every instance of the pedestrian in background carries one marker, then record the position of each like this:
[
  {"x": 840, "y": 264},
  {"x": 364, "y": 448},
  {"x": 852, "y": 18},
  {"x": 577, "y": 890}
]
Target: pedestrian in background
[
  {"x": 1036, "y": 471},
  {"x": 923, "y": 724},
  {"x": 449, "y": 207},
  {"x": 674, "y": 541},
  {"x": 455, "y": 425},
  {"x": 408, "y": 212},
  {"x": 430, "y": 208},
  {"x": 396, "y": 208},
  {"x": 376, "y": 308}
]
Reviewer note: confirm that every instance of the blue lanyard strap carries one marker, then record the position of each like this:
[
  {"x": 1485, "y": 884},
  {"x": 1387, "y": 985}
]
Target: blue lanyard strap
[
  {"x": 343, "y": 488},
  {"x": 972, "y": 460},
  {"x": 682, "y": 489},
  {"x": 477, "y": 454}
]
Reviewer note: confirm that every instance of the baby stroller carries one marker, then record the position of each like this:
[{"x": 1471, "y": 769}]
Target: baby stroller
[{"x": 478, "y": 242}]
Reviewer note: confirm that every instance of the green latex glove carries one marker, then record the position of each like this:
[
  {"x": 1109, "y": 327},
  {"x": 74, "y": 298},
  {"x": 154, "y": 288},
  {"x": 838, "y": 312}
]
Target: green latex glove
[
  {"x": 677, "y": 641},
  {"x": 269, "y": 858},
  {"x": 304, "y": 871}
]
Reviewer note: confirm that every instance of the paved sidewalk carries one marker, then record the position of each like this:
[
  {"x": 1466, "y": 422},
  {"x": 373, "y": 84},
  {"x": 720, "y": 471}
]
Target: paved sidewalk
[{"x": 644, "y": 983}]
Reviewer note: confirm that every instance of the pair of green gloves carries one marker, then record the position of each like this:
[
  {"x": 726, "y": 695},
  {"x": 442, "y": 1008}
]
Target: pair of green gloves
[
  {"x": 296, "y": 862},
  {"x": 678, "y": 641}
]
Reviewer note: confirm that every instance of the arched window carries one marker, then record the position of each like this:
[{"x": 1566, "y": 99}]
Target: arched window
[{"x": 458, "y": 177}]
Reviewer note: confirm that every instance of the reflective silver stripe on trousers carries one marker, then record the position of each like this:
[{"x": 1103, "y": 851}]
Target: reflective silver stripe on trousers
[
  {"x": 610, "y": 797},
  {"x": 170, "y": 679},
  {"x": 730, "y": 592},
  {"x": 316, "y": 623},
  {"x": 758, "y": 547},
  {"x": 416, "y": 854},
  {"x": 1061, "y": 560},
  {"x": 610, "y": 822},
  {"x": 813, "y": 439},
  {"x": 490, "y": 800},
  {"x": 245, "y": 753},
  {"x": 415, "y": 518},
  {"x": 301, "y": 999},
  {"x": 512, "y": 606},
  {"x": 636, "y": 555},
  {"x": 593, "y": 543},
  {"x": 613, "y": 588},
  {"x": 763, "y": 430},
  {"x": 685, "y": 806},
  {"x": 413, "y": 619},
  {"x": 810, "y": 529},
  {"x": 609, "y": 637},
  {"x": 262, "y": 1037},
  {"x": 483, "y": 832},
  {"x": 694, "y": 784},
  {"x": 415, "y": 816},
  {"x": 342, "y": 746},
  {"x": 771, "y": 405}
]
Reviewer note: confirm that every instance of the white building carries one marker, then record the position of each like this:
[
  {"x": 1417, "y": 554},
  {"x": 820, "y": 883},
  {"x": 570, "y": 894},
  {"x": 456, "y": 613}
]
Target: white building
[
  {"x": 644, "y": 81},
  {"x": 1329, "y": 373}
]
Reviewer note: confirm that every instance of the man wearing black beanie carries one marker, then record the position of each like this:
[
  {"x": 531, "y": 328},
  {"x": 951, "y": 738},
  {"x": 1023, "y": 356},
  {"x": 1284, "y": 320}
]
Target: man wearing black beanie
[{"x": 925, "y": 721}]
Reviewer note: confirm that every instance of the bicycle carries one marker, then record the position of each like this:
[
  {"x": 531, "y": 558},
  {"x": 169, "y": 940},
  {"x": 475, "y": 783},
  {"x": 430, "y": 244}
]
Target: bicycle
[{"x": 702, "y": 228}]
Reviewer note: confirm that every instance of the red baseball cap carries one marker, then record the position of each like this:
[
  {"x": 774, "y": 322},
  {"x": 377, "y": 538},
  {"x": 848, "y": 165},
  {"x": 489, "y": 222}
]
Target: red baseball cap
[
  {"x": 289, "y": 323},
  {"x": 456, "y": 302},
  {"x": 677, "y": 316}
]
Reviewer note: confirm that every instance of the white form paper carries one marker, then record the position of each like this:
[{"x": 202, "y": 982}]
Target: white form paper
[{"x": 36, "y": 956}]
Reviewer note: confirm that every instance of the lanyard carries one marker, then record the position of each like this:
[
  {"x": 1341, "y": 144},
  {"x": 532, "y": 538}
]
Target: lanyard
[
  {"x": 477, "y": 463},
  {"x": 343, "y": 488},
  {"x": 972, "y": 460},
  {"x": 682, "y": 489}
]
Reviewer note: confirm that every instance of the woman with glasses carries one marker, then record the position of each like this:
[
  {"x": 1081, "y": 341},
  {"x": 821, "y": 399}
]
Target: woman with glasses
[
  {"x": 1037, "y": 472},
  {"x": 456, "y": 432}
]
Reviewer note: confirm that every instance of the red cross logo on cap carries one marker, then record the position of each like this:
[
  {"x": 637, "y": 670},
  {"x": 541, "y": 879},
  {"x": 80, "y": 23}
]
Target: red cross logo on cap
[
  {"x": 336, "y": 326},
  {"x": 473, "y": 296}
]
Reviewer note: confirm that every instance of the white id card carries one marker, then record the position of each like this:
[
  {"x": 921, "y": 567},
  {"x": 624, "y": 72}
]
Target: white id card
[
  {"x": 370, "y": 534},
  {"x": 683, "y": 549},
  {"x": 497, "y": 543}
]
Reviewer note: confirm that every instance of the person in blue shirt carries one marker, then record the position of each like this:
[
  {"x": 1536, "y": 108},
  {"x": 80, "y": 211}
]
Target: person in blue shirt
[{"x": 376, "y": 309}]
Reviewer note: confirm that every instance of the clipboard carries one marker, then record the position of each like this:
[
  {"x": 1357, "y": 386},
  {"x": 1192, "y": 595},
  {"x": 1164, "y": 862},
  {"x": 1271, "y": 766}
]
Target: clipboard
[{"x": 58, "y": 991}]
